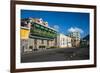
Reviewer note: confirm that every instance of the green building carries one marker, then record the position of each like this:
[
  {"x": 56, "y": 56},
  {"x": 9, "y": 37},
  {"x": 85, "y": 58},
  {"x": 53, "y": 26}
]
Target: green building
[{"x": 41, "y": 36}]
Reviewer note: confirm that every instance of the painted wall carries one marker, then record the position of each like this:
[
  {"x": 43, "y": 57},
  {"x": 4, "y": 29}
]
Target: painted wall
[{"x": 24, "y": 33}]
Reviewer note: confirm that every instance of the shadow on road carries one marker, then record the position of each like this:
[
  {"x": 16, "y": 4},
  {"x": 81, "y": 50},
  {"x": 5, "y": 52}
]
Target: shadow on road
[{"x": 60, "y": 54}]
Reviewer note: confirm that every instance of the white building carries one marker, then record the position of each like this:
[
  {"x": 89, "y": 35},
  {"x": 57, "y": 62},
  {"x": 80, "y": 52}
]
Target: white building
[
  {"x": 75, "y": 38},
  {"x": 69, "y": 42},
  {"x": 63, "y": 41}
]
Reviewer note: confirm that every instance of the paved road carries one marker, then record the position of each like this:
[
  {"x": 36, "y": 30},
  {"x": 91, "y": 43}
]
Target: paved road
[{"x": 56, "y": 55}]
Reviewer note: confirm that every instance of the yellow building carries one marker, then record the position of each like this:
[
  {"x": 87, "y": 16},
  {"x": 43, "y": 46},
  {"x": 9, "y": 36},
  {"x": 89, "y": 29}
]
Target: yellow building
[
  {"x": 24, "y": 36},
  {"x": 24, "y": 33}
]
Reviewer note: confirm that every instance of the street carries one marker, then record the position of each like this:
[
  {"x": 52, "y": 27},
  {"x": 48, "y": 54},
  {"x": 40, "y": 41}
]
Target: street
[{"x": 61, "y": 54}]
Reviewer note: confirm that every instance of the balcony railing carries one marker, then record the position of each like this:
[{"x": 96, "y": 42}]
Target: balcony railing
[
  {"x": 38, "y": 26},
  {"x": 37, "y": 32}
]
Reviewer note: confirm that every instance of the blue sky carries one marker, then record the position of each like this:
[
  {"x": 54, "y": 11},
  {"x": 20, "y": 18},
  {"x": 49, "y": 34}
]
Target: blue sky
[{"x": 64, "y": 22}]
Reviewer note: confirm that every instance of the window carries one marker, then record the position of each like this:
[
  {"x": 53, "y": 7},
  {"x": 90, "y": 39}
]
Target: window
[
  {"x": 35, "y": 41},
  {"x": 42, "y": 42},
  {"x": 48, "y": 42}
]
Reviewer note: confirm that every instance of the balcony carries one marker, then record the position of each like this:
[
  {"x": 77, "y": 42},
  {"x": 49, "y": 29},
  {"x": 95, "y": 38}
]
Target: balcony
[
  {"x": 42, "y": 31},
  {"x": 37, "y": 32}
]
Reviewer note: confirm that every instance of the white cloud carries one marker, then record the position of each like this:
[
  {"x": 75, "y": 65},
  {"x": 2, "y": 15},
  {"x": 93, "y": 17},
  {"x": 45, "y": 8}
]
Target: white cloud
[
  {"x": 74, "y": 29},
  {"x": 56, "y": 27}
]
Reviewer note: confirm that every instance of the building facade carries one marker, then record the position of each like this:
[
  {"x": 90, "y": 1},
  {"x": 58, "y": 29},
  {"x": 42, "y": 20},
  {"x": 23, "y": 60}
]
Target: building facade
[
  {"x": 24, "y": 36},
  {"x": 63, "y": 41},
  {"x": 39, "y": 35},
  {"x": 85, "y": 41},
  {"x": 35, "y": 34},
  {"x": 75, "y": 38}
]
